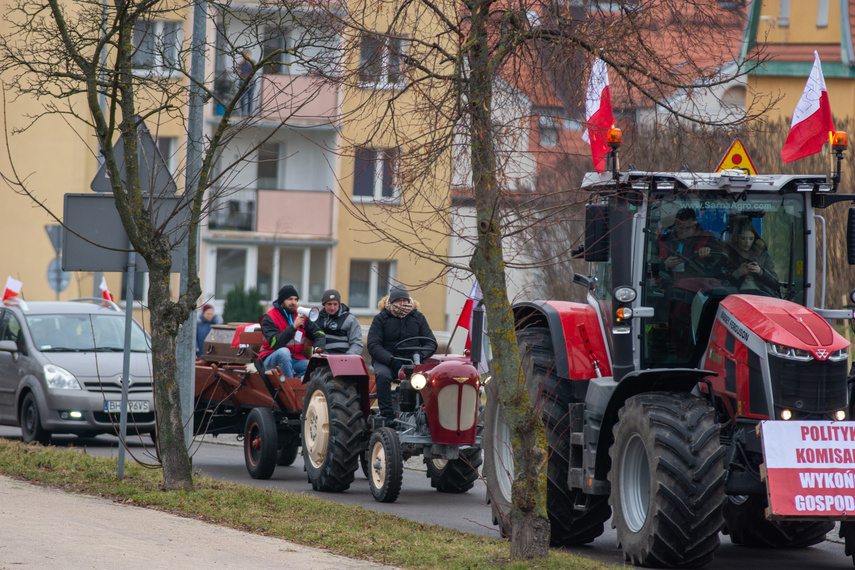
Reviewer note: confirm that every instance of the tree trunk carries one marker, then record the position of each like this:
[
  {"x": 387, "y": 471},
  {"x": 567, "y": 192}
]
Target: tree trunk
[
  {"x": 530, "y": 538},
  {"x": 177, "y": 473}
]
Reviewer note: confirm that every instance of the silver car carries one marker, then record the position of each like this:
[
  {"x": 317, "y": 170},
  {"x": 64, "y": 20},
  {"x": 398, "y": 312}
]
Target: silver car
[{"x": 61, "y": 369}]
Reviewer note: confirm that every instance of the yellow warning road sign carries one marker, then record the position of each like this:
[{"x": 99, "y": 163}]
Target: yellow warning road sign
[{"x": 737, "y": 158}]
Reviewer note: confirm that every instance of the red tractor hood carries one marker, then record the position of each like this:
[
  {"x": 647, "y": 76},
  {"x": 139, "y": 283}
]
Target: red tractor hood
[{"x": 783, "y": 322}]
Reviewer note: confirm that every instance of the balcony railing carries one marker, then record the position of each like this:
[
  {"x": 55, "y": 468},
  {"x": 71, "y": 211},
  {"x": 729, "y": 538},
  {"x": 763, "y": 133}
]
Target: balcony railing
[
  {"x": 279, "y": 212},
  {"x": 294, "y": 99}
]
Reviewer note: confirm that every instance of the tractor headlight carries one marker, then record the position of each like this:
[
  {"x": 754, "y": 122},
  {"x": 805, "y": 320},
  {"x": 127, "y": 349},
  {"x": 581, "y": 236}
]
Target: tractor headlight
[
  {"x": 418, "y": 381},
  {"x": 840, "y": 415},
  {"x": 625, "y": 294},
  {"x": 788, "y": 352},
  {"x": 59, "y": 378},
  {"x": 841, "y": 354}
]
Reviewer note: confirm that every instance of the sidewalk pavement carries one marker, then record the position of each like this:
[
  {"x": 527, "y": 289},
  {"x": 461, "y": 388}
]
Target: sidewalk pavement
[{"x": 47, "y": 528}]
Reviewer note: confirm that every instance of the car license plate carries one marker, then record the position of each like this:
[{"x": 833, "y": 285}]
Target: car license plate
[{"x": 134, "y": 406}]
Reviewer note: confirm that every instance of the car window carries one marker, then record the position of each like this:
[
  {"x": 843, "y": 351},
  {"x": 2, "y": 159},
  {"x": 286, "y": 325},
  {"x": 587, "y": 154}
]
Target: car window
[
  {"x": 10, "y": 329},
  {"x": 85, "y": 332}
]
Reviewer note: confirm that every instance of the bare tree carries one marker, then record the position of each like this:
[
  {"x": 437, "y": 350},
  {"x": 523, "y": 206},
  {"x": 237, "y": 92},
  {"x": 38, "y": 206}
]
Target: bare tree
[
  {"x": 451, "y": 90},
  {"x": 131, "y": 55}
]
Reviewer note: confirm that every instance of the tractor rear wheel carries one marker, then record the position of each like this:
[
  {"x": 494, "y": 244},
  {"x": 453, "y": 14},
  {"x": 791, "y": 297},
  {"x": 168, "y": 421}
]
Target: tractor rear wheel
[
  {"x": 455, "y": 475},
  {"x": 667, "y": 480},
  {"x": 260, "y": 443},
  {"x": 745, "y": 522},
  {"x": 333, "y": 431},
  {"x": 385, "y": 465},
  {"x": 575, "y": 518}
]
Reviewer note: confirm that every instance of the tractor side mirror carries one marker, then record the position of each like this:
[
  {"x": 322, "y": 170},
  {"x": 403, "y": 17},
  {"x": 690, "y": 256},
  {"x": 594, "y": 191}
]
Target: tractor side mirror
[{"x": 596, "y": 232}]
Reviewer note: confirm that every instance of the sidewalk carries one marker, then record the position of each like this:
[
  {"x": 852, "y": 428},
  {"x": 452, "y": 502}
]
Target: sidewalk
[{"x": 47, "y": 528}]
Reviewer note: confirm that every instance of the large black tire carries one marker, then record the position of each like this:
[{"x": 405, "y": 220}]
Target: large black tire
[
  {"x": 667, "y": 480},
  {"x": 570, "y": 524},
  {"x": 745, "y": 522},
  {"x": 287, "y": 455},
  {"x": 31, "y": 422},
  {"x": 260, "y": 443},
  {"x": 847, "y": 533},
  {"x": 333, "y": 432},
  {"x": 455, "y": 475},
  {"x": 386, "y": 465}
]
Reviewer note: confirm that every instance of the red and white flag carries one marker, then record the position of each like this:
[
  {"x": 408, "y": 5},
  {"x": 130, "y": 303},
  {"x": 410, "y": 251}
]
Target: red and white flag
[
  {"x": 13, "y": 288},
  {"x": 105, "y": 292},
  {"x": 465, "y": 321},
  {"x": 599, "y": 114},
  {"x": 812, "y": 126}
]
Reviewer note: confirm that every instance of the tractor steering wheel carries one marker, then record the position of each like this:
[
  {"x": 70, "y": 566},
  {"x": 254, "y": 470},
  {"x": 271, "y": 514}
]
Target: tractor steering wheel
[{"x": 416, "y": 357}]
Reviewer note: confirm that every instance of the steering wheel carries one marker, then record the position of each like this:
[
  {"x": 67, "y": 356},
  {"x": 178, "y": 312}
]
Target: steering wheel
[
  {"x": 398, "y": 346},
  {"x": 710, "y": 266}
]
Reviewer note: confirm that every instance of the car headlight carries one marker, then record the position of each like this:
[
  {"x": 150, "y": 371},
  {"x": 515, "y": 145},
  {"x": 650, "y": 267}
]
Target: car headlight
[
  {"x": 418, "y": 381},
  {"x": 59, "y": 378}
]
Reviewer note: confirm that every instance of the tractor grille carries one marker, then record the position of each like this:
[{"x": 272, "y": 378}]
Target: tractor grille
[{"x": 815, "y": 386}]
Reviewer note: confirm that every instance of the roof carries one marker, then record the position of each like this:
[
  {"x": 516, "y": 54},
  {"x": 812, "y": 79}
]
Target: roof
[{"x": 76, "y": 307}]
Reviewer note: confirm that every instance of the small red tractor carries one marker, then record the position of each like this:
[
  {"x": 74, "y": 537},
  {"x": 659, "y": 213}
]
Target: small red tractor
[
  {"x": 652, "y": 391},
  {"x": 438, "y": 405}
]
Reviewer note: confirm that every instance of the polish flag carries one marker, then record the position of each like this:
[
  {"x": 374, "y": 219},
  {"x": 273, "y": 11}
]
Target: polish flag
[
  {"x": 465, "y": 321},
  {"x": 812, "y": 126},
  {"x": 105, "y": 292},
  {"x": 13, "y": 288},
  {"x": 599, "y": 114}
]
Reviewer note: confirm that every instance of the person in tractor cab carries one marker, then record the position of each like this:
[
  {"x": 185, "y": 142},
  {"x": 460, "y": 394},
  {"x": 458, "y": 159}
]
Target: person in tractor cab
[
  {"x": 285, "y": 333},
  {"x": 686, "y": 250},
  {"x": 398, "y": 320},
  {"x": 753, "y": 268},
  {"x": 343, "y": 334}
]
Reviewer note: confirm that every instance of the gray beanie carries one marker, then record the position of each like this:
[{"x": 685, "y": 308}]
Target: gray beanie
[
  {"x": 287, "y": 291},
  {"x": 330, "y": 295},
  {"x": 398, "y": 292}
]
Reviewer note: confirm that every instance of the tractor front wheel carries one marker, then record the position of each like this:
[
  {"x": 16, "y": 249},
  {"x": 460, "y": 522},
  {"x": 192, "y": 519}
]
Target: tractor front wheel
[
  {"x": 667, "y": 480},
  {"x": 455, "y": 475},
  {"x": 385, "y": 465}
]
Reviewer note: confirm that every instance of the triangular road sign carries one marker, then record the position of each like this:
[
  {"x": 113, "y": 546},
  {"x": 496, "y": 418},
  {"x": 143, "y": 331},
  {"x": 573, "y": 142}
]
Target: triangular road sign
[
  {"x": 736, "y": 158},
  {"x": 155, "y": 178}
]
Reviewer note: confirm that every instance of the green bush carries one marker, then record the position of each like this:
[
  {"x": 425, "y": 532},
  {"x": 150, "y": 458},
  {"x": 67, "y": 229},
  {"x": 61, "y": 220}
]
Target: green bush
[{"x": 242, "y": 306}]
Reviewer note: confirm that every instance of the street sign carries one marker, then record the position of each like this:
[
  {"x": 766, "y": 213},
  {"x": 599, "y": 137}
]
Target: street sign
[
  {"x": 737, "y": 158},
  {"x": 154, "y": 173},
  {"x": 54, "y": 232},
  {"x": 94, "y": 225},
  {"x": 57, "y": 278}
]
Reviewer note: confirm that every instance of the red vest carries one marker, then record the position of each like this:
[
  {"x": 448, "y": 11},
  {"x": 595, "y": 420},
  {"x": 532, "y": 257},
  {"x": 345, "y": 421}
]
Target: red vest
[{"x": 296, "y": 348}]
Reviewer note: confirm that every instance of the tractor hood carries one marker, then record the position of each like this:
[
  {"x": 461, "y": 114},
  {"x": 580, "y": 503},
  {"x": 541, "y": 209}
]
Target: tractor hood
[{"x": 784, "y": 323}]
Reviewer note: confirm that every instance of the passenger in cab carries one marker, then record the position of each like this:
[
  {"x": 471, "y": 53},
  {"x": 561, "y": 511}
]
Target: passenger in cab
[{"x": 753, "y": 270}]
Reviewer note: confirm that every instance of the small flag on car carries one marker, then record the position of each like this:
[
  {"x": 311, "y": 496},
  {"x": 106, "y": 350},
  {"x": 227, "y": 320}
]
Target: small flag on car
[
  {"x": 13, "y": 288},
  {"x": 105, "y": 292}
]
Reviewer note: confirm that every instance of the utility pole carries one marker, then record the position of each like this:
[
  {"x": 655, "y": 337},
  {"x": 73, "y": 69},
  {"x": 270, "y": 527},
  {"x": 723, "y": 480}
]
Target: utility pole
[{"x": 186, "y": 341}]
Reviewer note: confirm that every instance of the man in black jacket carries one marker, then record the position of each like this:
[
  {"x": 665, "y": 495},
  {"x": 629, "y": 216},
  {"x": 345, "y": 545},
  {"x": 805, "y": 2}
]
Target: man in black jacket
[{"x": 398, "y": 320}]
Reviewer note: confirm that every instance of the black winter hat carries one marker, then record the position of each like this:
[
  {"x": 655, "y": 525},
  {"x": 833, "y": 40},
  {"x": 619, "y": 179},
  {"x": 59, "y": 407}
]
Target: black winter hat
[
  {"x": 398, "y": 292},
  {"x": 285, "y": 292},
  {"x": 330, "y": 295}
]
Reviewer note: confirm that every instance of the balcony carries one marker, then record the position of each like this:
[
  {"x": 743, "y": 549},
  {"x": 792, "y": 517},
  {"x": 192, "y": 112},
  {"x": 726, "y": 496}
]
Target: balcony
[
  {"x": 278, "y": 212},
  {"x": 295, "y": 99}
]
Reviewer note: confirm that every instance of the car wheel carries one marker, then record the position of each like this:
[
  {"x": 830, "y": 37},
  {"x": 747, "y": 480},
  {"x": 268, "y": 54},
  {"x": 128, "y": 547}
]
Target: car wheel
[{"x": 31, "y": 422}]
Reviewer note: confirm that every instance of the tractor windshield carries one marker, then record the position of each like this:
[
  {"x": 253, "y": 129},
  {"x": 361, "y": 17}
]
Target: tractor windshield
[{"x": 702, "y": 247}]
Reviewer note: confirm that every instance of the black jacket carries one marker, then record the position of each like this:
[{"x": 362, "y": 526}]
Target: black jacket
[{"x": 387, "y": 331}]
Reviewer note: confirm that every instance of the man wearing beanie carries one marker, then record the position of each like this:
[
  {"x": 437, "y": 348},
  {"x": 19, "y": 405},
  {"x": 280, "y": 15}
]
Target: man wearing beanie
[
  {"x": 342, "y": 332},
  {"x": 285, "y": 335},
  {"x": 398, "y": 320}
]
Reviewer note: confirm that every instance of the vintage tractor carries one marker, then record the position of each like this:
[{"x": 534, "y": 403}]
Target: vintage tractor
[
  {"x": 438, "y": 405},
  {"x": 653, "y": 391}
]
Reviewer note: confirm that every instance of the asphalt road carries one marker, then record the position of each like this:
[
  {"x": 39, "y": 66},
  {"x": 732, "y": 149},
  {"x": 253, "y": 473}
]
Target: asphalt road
[{"x": 467, "y": 512}]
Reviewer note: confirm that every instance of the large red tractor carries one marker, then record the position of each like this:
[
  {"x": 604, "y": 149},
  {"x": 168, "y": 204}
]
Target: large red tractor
[{"x": 652, "y": 391}]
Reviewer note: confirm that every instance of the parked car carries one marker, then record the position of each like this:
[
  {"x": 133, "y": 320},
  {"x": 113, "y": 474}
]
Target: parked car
[{"x": 61, "y": 369}]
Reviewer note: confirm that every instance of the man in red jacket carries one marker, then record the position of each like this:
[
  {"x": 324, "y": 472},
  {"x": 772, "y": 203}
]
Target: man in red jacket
[{"x": 285, "y": 335}]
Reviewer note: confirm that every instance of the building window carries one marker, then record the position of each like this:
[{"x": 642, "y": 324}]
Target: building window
[
  {"x": 268, "y": 166},
  {"x": 369, "y": 282},
  {"x": 374, "y": 174},
  {"x": 140, "y": 291},
  {"x": 230, "y": 270},
  {"x": 551, "y": 122},
  {"x": 274, "y": 41},
  {"x": 157, "y": 45},
  {"x": 381, "y": 61},
  {"x": 303, "y": 267},
  {"x": 168, "y": 148},
  {"x": 822, "y": 14}
]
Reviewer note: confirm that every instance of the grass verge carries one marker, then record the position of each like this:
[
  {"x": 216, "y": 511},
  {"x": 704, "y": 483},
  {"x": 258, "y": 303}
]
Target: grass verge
[{"x": 347, "y": 530}]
